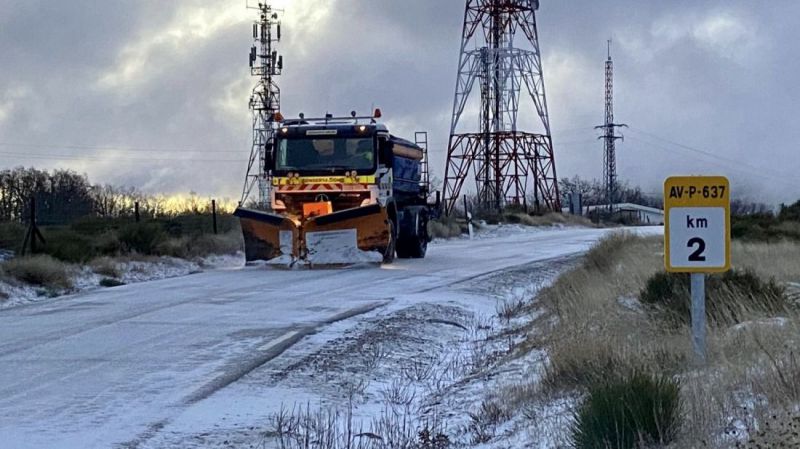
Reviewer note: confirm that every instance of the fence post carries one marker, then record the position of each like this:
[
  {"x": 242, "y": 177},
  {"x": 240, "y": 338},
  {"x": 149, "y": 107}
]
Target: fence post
[
  {"x": 33, "y": 234},
  {"x": 468, "y": 216},
  {"x": 214, "y": 214},
  {"x": 136, "y": 211}
]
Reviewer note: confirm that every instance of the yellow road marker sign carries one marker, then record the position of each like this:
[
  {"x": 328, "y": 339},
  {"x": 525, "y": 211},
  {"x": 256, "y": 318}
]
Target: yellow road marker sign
[{"x": 697, "y": 233}]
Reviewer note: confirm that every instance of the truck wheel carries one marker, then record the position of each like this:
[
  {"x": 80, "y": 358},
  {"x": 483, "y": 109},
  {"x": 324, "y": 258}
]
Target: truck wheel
[
  {"x": 412, "y": 248},
  {"x": 388, "y": 253}
]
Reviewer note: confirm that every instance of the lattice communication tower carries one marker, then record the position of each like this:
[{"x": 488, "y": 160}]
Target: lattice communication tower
[
  {"x": 265, "y": 64},
  {"x": 610, "y": 137},
  {"x": 504, "y": 158}
]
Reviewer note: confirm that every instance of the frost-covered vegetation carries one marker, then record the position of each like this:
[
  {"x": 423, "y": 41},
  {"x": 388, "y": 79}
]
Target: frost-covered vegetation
[
  {"x": 618, "y": 313},
  {"x": 99, "y": 230}
]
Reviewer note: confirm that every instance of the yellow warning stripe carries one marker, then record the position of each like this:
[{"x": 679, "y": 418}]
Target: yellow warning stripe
[{"x": 323, "y": 180}]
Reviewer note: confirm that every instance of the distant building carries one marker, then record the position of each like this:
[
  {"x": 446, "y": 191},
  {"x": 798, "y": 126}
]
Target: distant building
[{"x": 630, "y": 212}]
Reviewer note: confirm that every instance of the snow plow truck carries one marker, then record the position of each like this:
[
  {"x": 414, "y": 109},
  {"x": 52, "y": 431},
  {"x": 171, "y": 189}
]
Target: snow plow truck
[{"x": 344, "y": 191}]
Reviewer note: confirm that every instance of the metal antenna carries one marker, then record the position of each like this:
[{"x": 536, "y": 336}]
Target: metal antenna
[
  {"x": 610, "y": 137},
  {"x": 265, "y": 64},
  {"x": 504, "y": 160}
]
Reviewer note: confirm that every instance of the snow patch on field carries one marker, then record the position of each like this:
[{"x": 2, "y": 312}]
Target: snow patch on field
[{"x": 84, "y": 278}]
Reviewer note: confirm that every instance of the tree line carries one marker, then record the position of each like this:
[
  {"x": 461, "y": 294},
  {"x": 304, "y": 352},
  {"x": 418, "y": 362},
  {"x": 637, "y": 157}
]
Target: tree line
[
  {"x": 63, "y": 196},
  {"x": 593, "y": 193}
]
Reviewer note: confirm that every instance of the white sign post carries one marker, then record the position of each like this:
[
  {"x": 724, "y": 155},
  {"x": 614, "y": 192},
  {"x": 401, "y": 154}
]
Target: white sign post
[{"x": 697, "y": 239}]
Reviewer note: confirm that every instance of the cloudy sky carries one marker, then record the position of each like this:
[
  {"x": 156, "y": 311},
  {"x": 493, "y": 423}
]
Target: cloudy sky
[{"x": 154, "y": 93}]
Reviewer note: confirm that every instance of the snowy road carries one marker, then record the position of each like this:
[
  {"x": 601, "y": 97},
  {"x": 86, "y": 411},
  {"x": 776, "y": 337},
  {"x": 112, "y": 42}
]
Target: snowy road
[{"x": 111, "y": 367}]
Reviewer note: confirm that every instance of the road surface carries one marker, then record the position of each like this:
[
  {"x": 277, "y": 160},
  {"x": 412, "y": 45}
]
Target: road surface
[{"x": 109, "y": 368}]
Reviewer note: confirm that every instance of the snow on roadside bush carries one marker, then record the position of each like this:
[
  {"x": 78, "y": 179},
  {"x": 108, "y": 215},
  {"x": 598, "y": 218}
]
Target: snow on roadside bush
[{"x": 30, "y": 279}]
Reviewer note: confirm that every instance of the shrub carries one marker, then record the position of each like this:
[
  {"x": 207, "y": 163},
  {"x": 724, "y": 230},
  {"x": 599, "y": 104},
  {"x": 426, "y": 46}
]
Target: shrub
[
  {"x": 790, "y": 212},
  {"x": 627, "y": 412},
  {"x": 40, "y": 270},
  {"x": 444, "y": 228},
  {"x": 69, "y": 246},
  {"x": 142, "y": 238},
  {"x": 12, "y": 235},
  {"x": 98, "y": 225},
  {"x": 766, "y": 227},
  {"x": 206, "y": 244},
  {"x": 108, "y": 244},
  {"x": 109, "y": 282},
  {"x": 605, "y": 254},
  {"x": 106, "y": 266},
  {"x": 201, "y": 245},
  {"x": 730, "y": 297},
  {"x": 174, "y": 247}
]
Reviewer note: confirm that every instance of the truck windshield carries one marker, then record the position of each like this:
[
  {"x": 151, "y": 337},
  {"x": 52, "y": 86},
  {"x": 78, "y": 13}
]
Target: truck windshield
[{"x": 323, "y": 154}]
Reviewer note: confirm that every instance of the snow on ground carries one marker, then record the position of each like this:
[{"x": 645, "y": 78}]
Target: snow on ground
[
  {"x": 210, "y": 359},
  {"x": 435, "y": 357},
  {"x": 130, "y": 271}
]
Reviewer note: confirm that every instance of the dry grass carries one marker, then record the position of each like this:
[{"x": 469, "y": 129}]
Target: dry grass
[
  {"x": 42, "y": 271},
  {"x": 596, "y": 327},
  {"x": 201, "y": 245},
  {"x": 780, "y": 260},
  {"x": 106, "y": 266},
  {"x": 444, "y": 228},
  {"x": 549, "y": 219}
]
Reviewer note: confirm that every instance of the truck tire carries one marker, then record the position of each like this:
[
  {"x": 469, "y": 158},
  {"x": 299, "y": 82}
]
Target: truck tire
[
  {"x": 412, "y": 248},
  {"x": 388, "y": 252}
]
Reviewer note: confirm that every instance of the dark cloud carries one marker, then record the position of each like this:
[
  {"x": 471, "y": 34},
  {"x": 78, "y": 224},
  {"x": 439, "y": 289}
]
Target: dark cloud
[{"x": 718, "y": 77}]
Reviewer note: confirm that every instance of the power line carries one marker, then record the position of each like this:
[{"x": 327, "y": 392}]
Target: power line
[
  {"x": 112, "y": 158},
  {"x": 111, "y": 148},
  {"x": 732, "y": 166},
  {"x": 737, "y": 163}
]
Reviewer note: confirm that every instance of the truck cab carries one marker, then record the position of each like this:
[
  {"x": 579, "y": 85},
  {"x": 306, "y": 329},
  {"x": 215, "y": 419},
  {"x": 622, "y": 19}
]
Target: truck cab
[{"x": 346, "y": 177}]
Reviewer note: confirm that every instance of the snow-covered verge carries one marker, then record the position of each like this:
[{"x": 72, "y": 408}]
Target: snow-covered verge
[
  {"x": 435, "y": 368},
  {"x": 597, "y": 327},
  {"x": 483, "y": 230},
  {"x": 111, "y": 272},
  {"x": 432, "y": 363}
]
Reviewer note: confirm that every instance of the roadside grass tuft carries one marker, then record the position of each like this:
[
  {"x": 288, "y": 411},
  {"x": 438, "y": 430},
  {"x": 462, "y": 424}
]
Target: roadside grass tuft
[
  {"x": 444, "y": 228},
  {"x": 40, "y": 270},
  {"x": 731, "y": 297},
  {"x": 631, "y": 411},
  {"x": 338, "y": 428},
  {"x": 485, "y": 421},
  {"x": 106, "y": 266}
]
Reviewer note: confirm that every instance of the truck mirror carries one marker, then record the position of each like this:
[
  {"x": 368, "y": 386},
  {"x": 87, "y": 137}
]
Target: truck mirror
[
  {"x": 386, "y": 152},
  {"x": 269, "y": 158}
]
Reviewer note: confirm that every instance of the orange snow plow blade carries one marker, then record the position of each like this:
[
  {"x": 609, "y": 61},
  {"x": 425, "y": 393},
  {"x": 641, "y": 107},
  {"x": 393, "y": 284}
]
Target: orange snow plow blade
[
  {"x": 268, "y": 236},
  {"x": 351, "y": 236}
]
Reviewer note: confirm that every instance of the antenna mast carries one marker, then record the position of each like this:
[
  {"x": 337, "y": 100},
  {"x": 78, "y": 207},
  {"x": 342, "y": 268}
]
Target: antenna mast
[
  {"x": 610, "y": 137},
  {"x": 505, "y": 160},
  {"x": 265, "y": 64}
]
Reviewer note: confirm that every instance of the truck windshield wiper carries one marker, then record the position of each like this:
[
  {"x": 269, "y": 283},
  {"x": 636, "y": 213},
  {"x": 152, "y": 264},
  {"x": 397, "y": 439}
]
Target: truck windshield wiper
[{"x": 331, "y": 168}]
